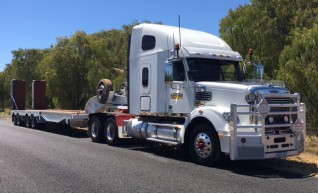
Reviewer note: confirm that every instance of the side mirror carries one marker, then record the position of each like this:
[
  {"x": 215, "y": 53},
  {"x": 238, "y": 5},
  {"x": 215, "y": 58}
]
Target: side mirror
[
  {"x": 244, "y": 69},
  {"x": 259, "y": 72},
  {"x": 168, "y": 73}
]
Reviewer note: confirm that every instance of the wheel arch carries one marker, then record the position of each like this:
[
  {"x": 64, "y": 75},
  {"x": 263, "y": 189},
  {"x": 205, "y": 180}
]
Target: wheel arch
[
  {"x": 193, "y": 123},
  {"x": 213, "y": 116}
]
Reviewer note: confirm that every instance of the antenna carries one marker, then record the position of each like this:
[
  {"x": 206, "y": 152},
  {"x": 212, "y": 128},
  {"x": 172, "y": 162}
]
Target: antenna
[
  {"x": 168, "y": 46},
  {"x": 174, "y": 50},
  {"x": 179, "y": 30}
]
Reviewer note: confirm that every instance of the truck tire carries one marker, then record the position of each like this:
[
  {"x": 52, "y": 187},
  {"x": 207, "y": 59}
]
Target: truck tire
[
  {"x": 27, "y": 120},
  {"x": 34, "y": 122},
  {"x": 19, "y": 120},
  {"x": 14, "y": 120},
  {"x": 96, "y": 131},
  {"x": 103, "y": 89},
  {"x": 111, "y": 132},
  {"x": 204, "y": 145}
]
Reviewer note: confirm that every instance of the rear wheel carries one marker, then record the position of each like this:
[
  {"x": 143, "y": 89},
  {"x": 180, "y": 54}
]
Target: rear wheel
[
  {"x": 111, "y": 132},
  {"x": 204, "y": 145},
  {"x": 96, "y": 130},
  {"x": 19, "y": 120},
  {"x": 27, "y": 120},
  {"x": 14, "y": 120},
  {"x": 34, "y": 122}
]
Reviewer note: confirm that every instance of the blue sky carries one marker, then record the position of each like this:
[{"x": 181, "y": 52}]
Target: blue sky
[{"x": 38, "y": 23}]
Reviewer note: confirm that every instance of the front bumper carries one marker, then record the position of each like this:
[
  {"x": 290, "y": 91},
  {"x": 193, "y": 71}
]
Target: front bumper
[
  {"x": 251, "y": 147},
  {"x": 251, "y": 141}
]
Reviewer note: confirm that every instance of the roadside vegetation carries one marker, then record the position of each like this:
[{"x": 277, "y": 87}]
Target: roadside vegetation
[
  {"x": 312, "y": 144},
  {"x": 284, "y": 35},
  {"x": 5, "y": 112}
]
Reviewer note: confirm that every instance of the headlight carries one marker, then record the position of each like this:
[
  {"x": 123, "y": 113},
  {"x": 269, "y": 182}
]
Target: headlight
[
  {"x": 201, "y": 88},
  {"x": 250, "y": 97}
]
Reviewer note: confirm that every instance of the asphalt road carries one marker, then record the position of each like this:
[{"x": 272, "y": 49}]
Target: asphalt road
[{"x": 65, "y": 160}]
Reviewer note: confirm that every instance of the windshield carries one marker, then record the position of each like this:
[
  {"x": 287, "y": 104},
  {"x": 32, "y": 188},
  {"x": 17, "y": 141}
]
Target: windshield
[{"x": 201, "y": 69}]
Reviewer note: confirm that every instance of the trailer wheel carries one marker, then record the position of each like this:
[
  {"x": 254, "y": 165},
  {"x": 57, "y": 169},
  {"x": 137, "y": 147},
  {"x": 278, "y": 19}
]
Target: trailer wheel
[
  {"x": 19, "y": 120},
  {"x": 34, "y": 122},
  {"x": 14, "y": 120},
  {"x": 111, "y": 132},
  {"x": 27, "y": 120},
  {"x": 204, "y": 145},
  {"x": 96, "y": 130},
  {"x": 103, "y": 89}
]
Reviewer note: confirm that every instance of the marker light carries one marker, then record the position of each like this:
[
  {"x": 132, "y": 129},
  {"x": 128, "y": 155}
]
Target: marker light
[
  {"x": 250, "y": 52},
  {"x": 177, "y": 47},
  {"x": 271, "y": 119},
  {"x": 286, "y": 119}
]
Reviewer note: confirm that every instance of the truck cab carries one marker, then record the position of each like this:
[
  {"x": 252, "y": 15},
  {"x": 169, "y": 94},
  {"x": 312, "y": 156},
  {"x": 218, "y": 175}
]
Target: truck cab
[
  {"x": 157, "y": 64},
  {"x": 186, "y": 88}
]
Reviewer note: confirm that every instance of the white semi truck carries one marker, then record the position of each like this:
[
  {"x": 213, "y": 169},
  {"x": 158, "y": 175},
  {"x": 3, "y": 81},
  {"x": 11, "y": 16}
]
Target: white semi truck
[{"x": 186, "y": 89}]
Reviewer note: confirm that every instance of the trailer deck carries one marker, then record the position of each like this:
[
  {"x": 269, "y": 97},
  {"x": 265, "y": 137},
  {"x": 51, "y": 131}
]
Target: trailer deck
[{"x": 30, "y": 118}]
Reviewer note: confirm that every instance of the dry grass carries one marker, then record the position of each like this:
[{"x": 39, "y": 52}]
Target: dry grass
[
  {"x": 306, "y": 163},
  {"x": 312, "y": 144},
  {"x": 6, "y": 112}
]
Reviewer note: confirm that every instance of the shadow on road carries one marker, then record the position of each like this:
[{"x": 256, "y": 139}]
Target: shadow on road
[
  {"x": 272, "y": 168},
  {"x": 65, "y": 130}
]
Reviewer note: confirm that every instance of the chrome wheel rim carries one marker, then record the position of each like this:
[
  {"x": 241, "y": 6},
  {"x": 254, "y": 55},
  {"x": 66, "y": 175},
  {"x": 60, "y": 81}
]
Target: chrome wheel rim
[
  {"x": 94, "y": 129},
  {"x": 100, "y": 91},
  {"x": 203, "y": 145},
  {"x": 110, "y": 131}
]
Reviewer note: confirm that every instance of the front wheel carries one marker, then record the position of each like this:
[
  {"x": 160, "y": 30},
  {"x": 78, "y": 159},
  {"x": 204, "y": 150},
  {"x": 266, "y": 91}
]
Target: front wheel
[
  {"x": 204, "y": 145},
  {"x": 111, "y": 132}
]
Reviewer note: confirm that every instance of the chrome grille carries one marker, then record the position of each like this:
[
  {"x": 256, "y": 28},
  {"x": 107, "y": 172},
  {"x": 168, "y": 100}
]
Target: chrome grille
[
  {"x": 280, "y": 100},
  {"x": 274, "y": 100},
  {"x": 278, "y": 119},
  {"x": 203, "y": 96}
]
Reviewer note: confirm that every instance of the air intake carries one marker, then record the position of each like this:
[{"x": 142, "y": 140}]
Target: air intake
[{"x": 203, "y": 96}]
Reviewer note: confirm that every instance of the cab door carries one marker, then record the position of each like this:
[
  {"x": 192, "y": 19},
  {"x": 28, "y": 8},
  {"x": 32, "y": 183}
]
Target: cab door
[
  {"x": 177, "y": 88},
  {"x": 145, "y": 99}
]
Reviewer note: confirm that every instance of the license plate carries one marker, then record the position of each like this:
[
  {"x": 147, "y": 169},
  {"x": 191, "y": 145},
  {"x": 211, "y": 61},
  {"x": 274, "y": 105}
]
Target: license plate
[{"x": 281, "y": 154}]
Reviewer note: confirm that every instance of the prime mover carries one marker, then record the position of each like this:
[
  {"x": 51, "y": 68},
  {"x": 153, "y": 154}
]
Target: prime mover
[{"x": 187, "y": 89}]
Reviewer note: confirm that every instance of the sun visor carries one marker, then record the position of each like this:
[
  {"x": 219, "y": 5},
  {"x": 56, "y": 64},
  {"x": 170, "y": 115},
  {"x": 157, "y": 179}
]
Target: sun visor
[{"x": 211, "y": 53}]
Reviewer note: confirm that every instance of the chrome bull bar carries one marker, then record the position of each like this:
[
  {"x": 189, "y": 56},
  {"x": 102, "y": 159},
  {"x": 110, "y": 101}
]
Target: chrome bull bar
[{"x": 240, "y": 150}]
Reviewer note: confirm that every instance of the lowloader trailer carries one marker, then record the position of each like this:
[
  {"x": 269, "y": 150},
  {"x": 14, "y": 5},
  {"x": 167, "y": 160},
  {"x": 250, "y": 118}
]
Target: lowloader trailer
[{"x": 36, "y": 118}]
